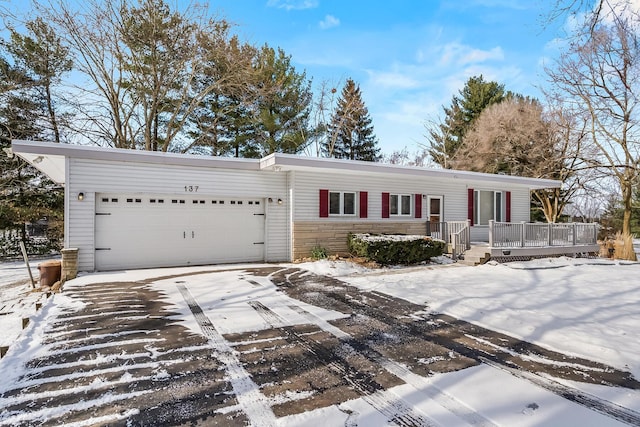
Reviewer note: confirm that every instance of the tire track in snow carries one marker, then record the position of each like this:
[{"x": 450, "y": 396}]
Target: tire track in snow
[
  {"x": 422, "y": 384},
  {"x": 496, "y": 360},
  {"x": 253, "y": 403},
  {"x": 610, "y": 409},
  {"x": 394, "y": 408}
]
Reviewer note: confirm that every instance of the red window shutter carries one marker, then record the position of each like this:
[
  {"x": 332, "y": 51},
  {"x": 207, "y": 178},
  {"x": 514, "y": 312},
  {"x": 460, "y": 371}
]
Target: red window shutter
[
  {"x": 470, "y": 205},
  {"x": 508, "y": 207},
  {"x": 364, "y": 199},
  {"x": 385, "y": 205},
  {"x": 418, "y": 201},
  {"x": 324, "y": 203}
]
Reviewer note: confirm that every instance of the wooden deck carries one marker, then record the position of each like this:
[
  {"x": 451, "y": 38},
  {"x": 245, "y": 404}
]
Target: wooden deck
[
  {"x": 508, "y": 240},
  {"x": 541, "y": 239}
]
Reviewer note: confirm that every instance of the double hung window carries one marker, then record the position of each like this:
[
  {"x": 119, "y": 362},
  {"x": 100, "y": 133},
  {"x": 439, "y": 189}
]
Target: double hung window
[
  {"x": 400, "y": 204},
  {"x": 342, "y": 203}
]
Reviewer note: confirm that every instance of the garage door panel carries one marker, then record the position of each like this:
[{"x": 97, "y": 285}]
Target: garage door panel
[{"x": 135, "y": 231}]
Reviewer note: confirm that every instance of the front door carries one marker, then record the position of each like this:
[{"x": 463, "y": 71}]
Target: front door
[
  {"x": 434, "y": 206},
  {"x": 434, "y": 213}
]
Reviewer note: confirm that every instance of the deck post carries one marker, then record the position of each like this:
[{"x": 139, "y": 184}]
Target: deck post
[
  {"x": 550, "y": 228},
  {"x": 490, "y": 233},
  {"x": 574, "y": 233},
  {"x": 468, "y": 234},
  {"x": 522, "y": 233}
]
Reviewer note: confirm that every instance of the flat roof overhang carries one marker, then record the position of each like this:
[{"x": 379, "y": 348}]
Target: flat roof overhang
[{"x": 50, "y": 159}]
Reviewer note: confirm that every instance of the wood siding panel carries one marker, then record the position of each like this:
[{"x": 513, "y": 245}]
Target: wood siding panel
[{"x": 333, "y": 235}]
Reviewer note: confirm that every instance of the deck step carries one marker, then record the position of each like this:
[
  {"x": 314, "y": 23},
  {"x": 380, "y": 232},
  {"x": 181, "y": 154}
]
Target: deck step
[{"x": 477, "y": 255}]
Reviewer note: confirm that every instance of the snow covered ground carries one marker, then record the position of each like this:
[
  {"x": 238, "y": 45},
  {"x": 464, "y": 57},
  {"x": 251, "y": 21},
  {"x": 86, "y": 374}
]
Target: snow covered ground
[
  {"x": 585, "y": 307},
  {"x": 17, "y": 298}
]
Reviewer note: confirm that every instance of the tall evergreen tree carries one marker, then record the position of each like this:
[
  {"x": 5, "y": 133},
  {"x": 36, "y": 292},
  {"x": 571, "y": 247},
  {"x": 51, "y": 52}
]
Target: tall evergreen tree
[
  {"x": 282, "y": 108},
  {"x": 220, "y": 124},
  {"x": 472, "y": 99},
  {"x": 351, "y": 130},
  {"x": 27, "y": 111},
  {"x": 27, "y": 196},
  {"x": 43, "y": 58}
]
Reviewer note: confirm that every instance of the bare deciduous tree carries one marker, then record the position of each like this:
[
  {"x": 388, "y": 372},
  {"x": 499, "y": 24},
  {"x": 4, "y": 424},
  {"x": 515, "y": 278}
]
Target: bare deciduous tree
[
  {"x": 517, "y": 137},
  {"x": 142, "y": 60},
  {"x": 599, "y": 73}
]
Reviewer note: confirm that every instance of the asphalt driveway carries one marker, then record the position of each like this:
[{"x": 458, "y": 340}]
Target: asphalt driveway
[{"x": 264, "y": 346}]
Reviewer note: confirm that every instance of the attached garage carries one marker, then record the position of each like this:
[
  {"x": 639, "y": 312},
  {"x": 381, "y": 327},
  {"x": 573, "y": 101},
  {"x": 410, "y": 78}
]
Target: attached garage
[{"x": 148, "y": 230}]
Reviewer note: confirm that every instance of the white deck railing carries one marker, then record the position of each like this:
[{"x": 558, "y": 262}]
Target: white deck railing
[
  {"x": 454, "y": 233},
  {"x": 535, "y": 235}
]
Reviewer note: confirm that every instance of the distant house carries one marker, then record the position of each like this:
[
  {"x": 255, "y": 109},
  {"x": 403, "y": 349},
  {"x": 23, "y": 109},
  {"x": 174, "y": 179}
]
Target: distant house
[{"x": 137, "y": 209}]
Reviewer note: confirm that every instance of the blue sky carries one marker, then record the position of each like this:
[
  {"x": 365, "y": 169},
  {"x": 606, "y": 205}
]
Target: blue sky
[{"x": 408, "y": 56}]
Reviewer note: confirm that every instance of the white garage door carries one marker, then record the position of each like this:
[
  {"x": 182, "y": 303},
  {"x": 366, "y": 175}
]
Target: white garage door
[{"x": 137, "y": 231}]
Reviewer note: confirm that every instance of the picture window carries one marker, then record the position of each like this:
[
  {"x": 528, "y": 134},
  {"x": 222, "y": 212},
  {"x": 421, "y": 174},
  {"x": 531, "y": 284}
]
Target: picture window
[{"x": 487, "y": 205}]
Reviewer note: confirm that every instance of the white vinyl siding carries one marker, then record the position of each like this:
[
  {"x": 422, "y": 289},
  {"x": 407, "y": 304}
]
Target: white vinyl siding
[
  {"x": 307, "y": 184},
  {"x": 453, "y": 192},
  {"x": 94, "y": 176}
]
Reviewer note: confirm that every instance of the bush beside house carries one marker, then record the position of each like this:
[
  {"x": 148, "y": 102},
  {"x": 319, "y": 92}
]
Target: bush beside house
[{"x": 394, "y": 249}]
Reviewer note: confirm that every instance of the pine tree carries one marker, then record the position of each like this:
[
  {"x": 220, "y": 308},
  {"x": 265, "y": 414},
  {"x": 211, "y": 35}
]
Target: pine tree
[
  {"x": 351, "y": 130},
  {"x": 27, "y": 196},
  {"x": 282, "y": 108},
  {"x": 44, "y": 59},
  {"x": 447, "y": 137}
]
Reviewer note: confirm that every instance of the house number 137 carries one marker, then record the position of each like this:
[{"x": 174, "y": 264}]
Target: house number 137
[{"x": 191, "y": 188}]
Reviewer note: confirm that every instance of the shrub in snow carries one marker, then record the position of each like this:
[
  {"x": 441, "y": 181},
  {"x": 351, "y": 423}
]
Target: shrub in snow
[{"x": 389, "y": 249}]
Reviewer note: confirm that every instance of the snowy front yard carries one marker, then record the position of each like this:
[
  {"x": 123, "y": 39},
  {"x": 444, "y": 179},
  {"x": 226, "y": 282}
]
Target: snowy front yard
[{"x": 579, "y": 307}]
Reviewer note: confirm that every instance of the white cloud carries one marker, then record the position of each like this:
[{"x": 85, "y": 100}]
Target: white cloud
[
  {"x": 392, "y": 79},
  {"x": 329, "y": 21},
  {"x": 293, "y": 4},
  {"x": 459, "y": 54}
]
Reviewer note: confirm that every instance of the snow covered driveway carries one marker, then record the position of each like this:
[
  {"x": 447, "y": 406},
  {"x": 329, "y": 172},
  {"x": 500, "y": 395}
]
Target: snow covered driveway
[{"x": 280, "y": 346}]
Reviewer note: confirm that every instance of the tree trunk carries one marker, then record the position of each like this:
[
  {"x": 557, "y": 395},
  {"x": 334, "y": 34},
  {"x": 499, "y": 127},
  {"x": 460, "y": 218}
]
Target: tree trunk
[
  {"x": 52, "y": 114},
  {"x": 627, "y": 196},
  {"x": 23, "y": 232}
]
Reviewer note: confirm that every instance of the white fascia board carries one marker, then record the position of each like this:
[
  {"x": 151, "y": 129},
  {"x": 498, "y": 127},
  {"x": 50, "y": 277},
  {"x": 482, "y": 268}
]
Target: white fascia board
[
  {"x": 46, "y": 149},
  {"x": 293, "y": 162}
]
